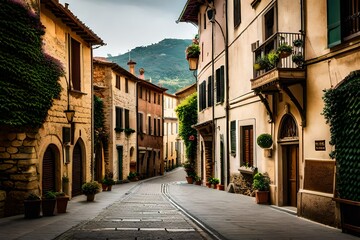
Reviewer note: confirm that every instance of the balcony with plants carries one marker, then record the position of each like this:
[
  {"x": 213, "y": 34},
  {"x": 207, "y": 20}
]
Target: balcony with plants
[{"x": 280, "y": 59}]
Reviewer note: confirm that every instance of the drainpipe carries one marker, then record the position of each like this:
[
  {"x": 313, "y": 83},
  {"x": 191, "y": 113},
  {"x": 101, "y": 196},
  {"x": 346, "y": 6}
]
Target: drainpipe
[
  {"x": 92, "y": 164},
  {"x": 212, "y": 94},
  {"x": 227, "y": 106}
]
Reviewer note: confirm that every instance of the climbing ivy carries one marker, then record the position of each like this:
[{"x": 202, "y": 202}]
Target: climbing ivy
[
  {"x": 342, "y": 113},
  {"x": 187, "y": 115},
  {"x": 29, "y": 78}
]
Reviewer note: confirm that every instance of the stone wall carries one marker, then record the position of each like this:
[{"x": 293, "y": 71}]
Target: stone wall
[{"x": 19, "y": 172}]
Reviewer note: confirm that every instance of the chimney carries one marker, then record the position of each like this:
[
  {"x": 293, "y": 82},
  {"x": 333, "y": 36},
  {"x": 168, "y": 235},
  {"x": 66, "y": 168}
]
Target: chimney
[
  {"x": 141, "y": 71},
  {"x": 131, "y": 64}
]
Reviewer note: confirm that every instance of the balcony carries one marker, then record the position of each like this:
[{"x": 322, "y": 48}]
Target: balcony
[{"x": 277, "y": 68}]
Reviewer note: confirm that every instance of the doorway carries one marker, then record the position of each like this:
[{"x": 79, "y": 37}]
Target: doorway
[
  {"x": 291, "y": 174},
  {"x": 77, "y": 170},
  {"x": 120, "y": 161}
]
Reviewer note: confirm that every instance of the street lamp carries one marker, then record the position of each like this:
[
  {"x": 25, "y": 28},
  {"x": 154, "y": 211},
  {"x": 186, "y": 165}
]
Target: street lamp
[{"x": 68, "y": 112}]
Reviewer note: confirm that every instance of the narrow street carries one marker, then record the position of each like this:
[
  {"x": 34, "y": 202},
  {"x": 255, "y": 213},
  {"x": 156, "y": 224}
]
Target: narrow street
[{"x": 145, "y": 211}]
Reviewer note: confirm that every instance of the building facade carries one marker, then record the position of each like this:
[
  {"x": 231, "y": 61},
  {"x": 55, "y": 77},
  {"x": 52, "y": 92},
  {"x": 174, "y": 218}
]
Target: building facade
[
  {"x": 284, "y": 99},
  {"x": 116, "y": 87},
  {"x": 37, "y": 161},
  {"x": 172, "y": 147}
]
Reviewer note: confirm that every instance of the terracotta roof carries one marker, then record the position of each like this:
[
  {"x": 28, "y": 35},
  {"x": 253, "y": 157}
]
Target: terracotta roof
[
  {"x": 70, "y": 20},
  {"x": 185, "y": 88},
  {"x": 114, "y": 66},
  {"x": 190, "y": 12}
]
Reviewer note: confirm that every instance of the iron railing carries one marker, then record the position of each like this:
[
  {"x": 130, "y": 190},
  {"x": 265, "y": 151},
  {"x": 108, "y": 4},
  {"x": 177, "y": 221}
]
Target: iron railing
[{"x": 296, "y": 40}]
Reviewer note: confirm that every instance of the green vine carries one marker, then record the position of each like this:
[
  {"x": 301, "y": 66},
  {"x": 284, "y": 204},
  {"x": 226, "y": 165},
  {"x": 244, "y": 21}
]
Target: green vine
[
  {"x": 29, "y": 78},
  {"x": 187, "y": 115},
  {"x": 342, "y": 113},
  {"x": 99, "y": 121}
]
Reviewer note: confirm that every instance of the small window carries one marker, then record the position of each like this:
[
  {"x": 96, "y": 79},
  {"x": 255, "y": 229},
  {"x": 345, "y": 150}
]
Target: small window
[
  {"x": 159, "y": 127},
  {"x": 127, "y": 118},
  {"x": 233, "y": 137},
  {"x": 149, "y": 96},
  {"x": 155, "y": 132},
  {"x": 117, "y": 84},
  {"x": 210, "y": 92},
  {"x": 75, "y": 63},
  {"x": 140, "y": 92},
  {"x": 154, "y": 97},
  {"x": 269, "y": 20},
  {"x": 237, "y": 13},
  {"x": 126, "y": 85},
  {"x": 159, "y": 99},
  {"x": 140, "y": 122},
  {"x": 149, "y": 125},
  {"x": 119, "y": 123},
  {"x": 247, "y": 146},
  {"x": 204, "y": 21}
]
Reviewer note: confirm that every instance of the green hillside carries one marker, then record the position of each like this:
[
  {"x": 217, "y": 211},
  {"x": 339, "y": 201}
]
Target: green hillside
[{"x": 164, "y": 63}]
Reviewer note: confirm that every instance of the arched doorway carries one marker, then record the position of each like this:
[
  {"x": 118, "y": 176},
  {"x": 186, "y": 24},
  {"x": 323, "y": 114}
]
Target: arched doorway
[
  {"x": 289, "y": 162},
  {"x": 49, "y": 169},
  {"x": 77, "y": 170}
]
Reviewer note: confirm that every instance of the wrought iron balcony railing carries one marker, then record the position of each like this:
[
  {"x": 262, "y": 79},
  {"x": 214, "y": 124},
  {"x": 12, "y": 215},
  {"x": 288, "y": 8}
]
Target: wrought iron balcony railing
[{"x": 268, "y": 56}]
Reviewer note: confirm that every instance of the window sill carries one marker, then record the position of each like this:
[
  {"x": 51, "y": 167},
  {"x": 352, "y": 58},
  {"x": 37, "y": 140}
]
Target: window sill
[
  {"x": 77, "y": 92},
  {"x": 247, "y": 170}
]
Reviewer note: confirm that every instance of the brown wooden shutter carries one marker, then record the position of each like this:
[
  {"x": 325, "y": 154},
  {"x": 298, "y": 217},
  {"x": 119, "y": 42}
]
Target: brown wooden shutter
[
  {"x": 77, "y": 171},
  {"x": 248, "y": 145},
  {"x": 48, "y": 173}
]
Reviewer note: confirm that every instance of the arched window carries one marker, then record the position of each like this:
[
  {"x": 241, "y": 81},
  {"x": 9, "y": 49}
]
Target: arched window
[{"x": 288, "y": 128}]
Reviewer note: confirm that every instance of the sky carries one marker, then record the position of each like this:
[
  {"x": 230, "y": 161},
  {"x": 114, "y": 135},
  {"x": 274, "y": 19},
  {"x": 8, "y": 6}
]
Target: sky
[{"x": 127, "y": 24}]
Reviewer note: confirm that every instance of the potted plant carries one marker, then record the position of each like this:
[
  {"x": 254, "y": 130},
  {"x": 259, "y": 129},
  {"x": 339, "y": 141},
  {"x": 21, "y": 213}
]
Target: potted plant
[
  {"x": 104, "y": 185},
  {"x": 193, "y": 53},
  {"x": 284, "y": 50},
  {"x": 128, "y": 131},
  {"x": 273, "y": 58},
  {"x": 261, "y": 63},
  {"x": 133, "y": 176},
  {"x": 190, "y": 177},
  {"x": 110, "y": 182},
  {"x": 90, "y": 189},
  {"x": 261, "y": 185},
  {"x": 48, "y": 203},
  {"x": 32, "y": 206},
  {"x": 298, "y": 59},
  {"x": 264, "y": 140},
  {"x": 61, "y": 202},
  {"x": 197, "y": 180},
  {"x": 298, "y": 42},
  {"x": 215, "y": 182}
]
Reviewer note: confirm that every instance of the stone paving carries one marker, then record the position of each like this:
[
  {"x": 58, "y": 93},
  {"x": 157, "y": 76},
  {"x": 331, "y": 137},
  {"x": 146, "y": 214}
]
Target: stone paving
[{"x": 141, "y": 210}]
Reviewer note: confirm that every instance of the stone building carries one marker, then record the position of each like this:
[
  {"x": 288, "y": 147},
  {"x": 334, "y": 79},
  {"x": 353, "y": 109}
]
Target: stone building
[
  {"x": 150, "y": 98},
  {"x": 172, "y": 145},
  {"x": 284, "y": 99},
  {"x": 36, "y": 161},
  {"x": 117, "y": 89}
]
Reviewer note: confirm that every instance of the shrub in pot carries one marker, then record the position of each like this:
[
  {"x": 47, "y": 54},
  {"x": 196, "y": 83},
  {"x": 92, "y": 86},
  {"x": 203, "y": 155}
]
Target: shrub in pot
[
  {"x": 261, "y": 185},
  {"x": 48, "y": 203},
  {"x": 61, "y": 202},
  {"x": 32, "y": 206},
  {"x": 264, "y": 140},
  {"x": 90, "y": 189}
]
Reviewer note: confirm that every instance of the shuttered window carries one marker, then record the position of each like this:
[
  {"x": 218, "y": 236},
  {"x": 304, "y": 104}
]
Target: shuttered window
[
  {"x": 210, "y": 92},
  {"x": 140, "y": 122},
  {"x": 127, "y": 118},
  {"x": 118, "y": 116},
  {"x": 220, "y": 84},
  {"x": 75, "y": 63},
  {"x": 149, "y": 125},
  {"x": 202, "y": 96},
  {"x": 159, "y": 127},
  {"x": 237, "y": 13},
  {"x": 247, "y": 146},
  {"x": 117, "y": 84},
  {"x": 155, "y": 132},
  {"x": 334, "y": 22},
  {"x": 126, "y": 85},
  {"x": 233, "y": 137}
]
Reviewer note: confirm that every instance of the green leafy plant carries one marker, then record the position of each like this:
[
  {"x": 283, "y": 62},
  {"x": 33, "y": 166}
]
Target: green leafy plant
[
  {"x": 273, "y": 58},
  {"x": 132, "y": 175},
  {"x": 298, "y": 59},
  {"x": 264, "y": 140},
  {"x": 261, "y": 63},
  {"x": 261, "y": 182},
  {"x": 128, "y": 131},
  {"x": 193, "y": 50},
  {"x": 342, "y": 113},
  {"x": 284, "y": 50},
  {"x": 298, "y": 42},
  {"x": 25, "y": 69},
  {"x": 60, "y": 194},
  {"x": 92, "y": 187},
  {"x": 33, "y": 197},
  {"x": 49, "y": 195}
]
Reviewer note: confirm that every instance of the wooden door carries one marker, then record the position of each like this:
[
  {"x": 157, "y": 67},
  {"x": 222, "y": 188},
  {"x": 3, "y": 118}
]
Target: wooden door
[
  {"x": 292, "y": 157},
  {"x": 48, "y": 171},
  {"x": 77, "y": 179}
]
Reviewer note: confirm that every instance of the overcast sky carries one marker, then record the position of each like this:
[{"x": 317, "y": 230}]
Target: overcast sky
[{"x": 126, "y": 24}]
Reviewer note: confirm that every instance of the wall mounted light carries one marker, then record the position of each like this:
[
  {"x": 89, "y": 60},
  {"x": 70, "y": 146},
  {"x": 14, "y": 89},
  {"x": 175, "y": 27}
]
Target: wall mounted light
[{"x": 68, "y": 112}]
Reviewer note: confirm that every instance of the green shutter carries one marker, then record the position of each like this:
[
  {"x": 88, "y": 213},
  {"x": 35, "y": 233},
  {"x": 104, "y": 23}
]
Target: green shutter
[
  {"x": 334, "y": 22},
  {"x": 233, "y": 137},
  {"x": 222, "y": 83}
]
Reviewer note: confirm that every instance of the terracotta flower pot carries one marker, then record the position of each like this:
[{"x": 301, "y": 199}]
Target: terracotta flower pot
[
  {"x": 262, "y": 197},
  {"x": 61, "y": 204},
  {"x": 90, "y": 197},
  {"x": 220, "y": 187},
  {"x": 189, "y": 180}
]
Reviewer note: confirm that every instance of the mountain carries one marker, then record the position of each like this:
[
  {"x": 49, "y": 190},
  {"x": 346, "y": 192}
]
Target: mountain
[{"x": 164, "y": 63}]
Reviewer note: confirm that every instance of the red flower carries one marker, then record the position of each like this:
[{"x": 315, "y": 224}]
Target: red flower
[{"x": 192, "y": 138}]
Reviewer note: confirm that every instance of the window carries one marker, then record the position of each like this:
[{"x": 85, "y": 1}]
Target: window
[
  {"x": 202, "y": 96},
  {"x": 159, "y": 127},
  {"x": 140, "y": 122},
  {"x": 126, "y": 85},
  {"x": 118, "y": 116},
  {"x": 127, "y": 118},
  {"x": 172, "y": 129},
  {"x": 117, "y": 84},
  {"x": 247, "y": 155},
  {"x": 237, "y": 13},
  {"x": 154, "y": 97},
  {"x": 233, "y": 137},
  {"x": 210, "y": 92},
  {"x": 75, "y": 63},
  {"x": 140, "y": 92},
  {"x": 269, "y": 20},
  {"x": 149, "y": 125},
  {"x": 149, "y": 95},
  {"x": 204, "y": 21},
  {"x": 159, "y": 99},
  {"x": 176, "y": 128},
  {"x": 343, "y": 20},
  {"x": 220, "y": 84},
  {"x": 155, "y": 132},
  {"x": 172, "y": 148}
]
